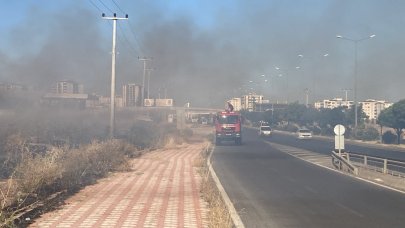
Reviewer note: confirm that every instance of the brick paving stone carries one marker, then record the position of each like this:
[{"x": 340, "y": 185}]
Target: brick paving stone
[{"x": 163, "y": 190}]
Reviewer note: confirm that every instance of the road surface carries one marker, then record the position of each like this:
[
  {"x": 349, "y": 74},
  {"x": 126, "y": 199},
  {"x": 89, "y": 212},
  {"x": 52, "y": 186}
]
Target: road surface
[{"x": 270, "y": 188}]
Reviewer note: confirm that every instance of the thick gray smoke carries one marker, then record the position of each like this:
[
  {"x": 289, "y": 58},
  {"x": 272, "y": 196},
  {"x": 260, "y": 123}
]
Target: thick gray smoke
[{"x": 207, "y": 62}]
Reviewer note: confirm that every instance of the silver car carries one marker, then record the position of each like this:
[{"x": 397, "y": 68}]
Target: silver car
[{"x": 304, "y": 134}]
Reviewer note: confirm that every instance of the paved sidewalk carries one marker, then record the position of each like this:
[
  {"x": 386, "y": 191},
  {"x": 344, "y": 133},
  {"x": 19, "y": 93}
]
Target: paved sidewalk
[{"x": 163, "y": 190}]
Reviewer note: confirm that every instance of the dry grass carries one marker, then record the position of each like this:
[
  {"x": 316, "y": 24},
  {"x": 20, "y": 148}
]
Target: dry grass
[
  {"x": 32, "y": 176},
  {"x": 218, "y": 215},
  {"x": 38, "y": 176}
]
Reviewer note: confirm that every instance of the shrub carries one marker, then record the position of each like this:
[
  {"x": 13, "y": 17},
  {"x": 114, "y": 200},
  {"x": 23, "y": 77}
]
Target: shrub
[
  {"x": 15, "y": 148},
  {"x": 84, "y": 165},
  {"x": 389, "y": 138},
  {"x": 36, "y": 172},
  {"x": 291, "y": 128},
  {"x": 367, "y": 134}
]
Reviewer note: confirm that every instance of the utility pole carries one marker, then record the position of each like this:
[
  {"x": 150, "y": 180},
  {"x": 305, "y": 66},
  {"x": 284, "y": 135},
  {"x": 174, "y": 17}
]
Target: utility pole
[
  {"x": 112, "y": 101},
  {"x": 145, "y": 60},
  {"x": 149, "y": 70},
  {"x": 306, "y": 97},
  {"x": 346, "y": 91}
]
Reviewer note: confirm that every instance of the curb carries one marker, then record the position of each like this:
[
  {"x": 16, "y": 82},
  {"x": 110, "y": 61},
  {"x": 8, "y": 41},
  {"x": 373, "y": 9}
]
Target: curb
[{"x": 237, "y": 221}]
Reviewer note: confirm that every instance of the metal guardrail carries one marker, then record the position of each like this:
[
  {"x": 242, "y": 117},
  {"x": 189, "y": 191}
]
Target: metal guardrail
[
  {"x": 383, "y": 165},
  {"x": 342, "y": 161}
]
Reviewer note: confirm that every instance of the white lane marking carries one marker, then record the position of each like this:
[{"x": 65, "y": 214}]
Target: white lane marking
[
  {"x": 309, "y": 189},
  {"x": 349, "y": 209},
  {"x": 345, "y": 174}
]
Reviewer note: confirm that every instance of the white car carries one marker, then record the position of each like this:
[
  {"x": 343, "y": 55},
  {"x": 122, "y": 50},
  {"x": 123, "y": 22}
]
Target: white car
[
  {"x": 264, "y": 131},
  {"x": 304, "y": 134}
]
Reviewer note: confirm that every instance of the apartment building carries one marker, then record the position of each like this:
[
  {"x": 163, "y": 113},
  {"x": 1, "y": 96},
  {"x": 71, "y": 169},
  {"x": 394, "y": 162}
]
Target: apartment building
[
  {"x": 333, "y": 103},
  {"x": 236, "y": 103},
  {"x": 249, "y": 101},
  {"x": 372, "y": 108},
  {"x": 131, "y": 95},
  {"x": 67, "y": 87},
  {"x": 11, "y": 87}
]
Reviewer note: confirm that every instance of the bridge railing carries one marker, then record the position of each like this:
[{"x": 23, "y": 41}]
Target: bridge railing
[
  {"x": 382, "y": 165},
  {"x": 341, "y": 161}
]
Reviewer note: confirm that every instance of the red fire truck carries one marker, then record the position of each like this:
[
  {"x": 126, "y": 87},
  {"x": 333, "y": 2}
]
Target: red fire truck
[{"x": 228, "y": 127}]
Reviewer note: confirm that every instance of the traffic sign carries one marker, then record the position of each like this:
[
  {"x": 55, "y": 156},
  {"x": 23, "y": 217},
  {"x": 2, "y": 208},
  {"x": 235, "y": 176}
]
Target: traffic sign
[{"x": 339, "y": 129}]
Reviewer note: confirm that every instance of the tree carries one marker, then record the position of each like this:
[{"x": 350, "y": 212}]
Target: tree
[
  {"x": 350, "y": 115},
  {"x": 394, "y": 117},
  {"x": 294, "y": 112}
]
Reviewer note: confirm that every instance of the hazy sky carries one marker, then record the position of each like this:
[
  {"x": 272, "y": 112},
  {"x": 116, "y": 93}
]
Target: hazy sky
[{"x": 206, "y": 51}]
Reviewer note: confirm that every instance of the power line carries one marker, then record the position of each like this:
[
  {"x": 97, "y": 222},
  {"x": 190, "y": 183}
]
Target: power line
[
  {"x": 102, "y": 3},
  {"x": 116, "y": 4},
  {"x": 126, "y": 39},
  {"x": 136, "y": 38},
  {"x": 137, "y": 43},
  {"x": 95, "y": 6}
]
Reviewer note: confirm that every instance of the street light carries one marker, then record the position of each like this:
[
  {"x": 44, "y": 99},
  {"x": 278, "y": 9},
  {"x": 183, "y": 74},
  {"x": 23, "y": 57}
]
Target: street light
[
  {"x": 318, "y": 58},
  {"x": 355, "y": 41},
  {"x": 286, "y": 72}
]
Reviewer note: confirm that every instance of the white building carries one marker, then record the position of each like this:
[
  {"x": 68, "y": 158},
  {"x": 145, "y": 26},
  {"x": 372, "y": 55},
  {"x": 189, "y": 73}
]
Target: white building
[
  {"x": 249, "y": 101},
  {"x": 67, "y": 87},
  {"x": 333, "y": 103},
  {"x": 372, "y": 108},
  {"x": 236, "y": 103},
  {"x": 131, "y": 95}
]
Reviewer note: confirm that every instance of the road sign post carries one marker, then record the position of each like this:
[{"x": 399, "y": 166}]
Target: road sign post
[{"x": 339, "y": 138}]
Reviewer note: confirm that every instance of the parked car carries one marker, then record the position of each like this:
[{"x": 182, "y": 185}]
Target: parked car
[
  {"x": 264, "y": 131},
  {"x": 304, "y": 134}
]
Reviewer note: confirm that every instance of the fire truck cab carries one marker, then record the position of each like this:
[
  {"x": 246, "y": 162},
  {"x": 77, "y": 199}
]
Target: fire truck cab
[{"x": 228, "y": 127}]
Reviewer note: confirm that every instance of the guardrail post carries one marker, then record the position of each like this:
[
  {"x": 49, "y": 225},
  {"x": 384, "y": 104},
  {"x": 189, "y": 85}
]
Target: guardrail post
[
  {"x": 348, "y": 157},
  {"x": 365, "y": 160},
  {"x": 385, "y": 166}
]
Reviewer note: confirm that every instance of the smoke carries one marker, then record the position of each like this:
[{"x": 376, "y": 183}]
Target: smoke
[
  {"x": 208, "y": 58},
  {"x": 54, "y": 46}
]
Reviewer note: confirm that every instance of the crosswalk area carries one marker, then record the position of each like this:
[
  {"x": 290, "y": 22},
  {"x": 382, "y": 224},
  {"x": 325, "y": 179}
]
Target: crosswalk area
[{"x": 306, "y": 155}]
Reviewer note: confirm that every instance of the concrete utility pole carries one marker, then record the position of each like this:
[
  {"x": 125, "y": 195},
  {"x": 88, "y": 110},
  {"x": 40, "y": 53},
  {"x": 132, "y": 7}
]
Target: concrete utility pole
[
  {"x": 306, "y": 97},
  {"x": 112, "y": 104},
  {"x": 149, "y": 70},
  {"x": 346, "y": 91},
  {"x": 144, "y": 59}
]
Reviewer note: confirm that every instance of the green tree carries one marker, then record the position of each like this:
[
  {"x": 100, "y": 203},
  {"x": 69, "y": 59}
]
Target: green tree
[
  {"x": 394, "y": 117},
  {"x": 350, "y": 115},
  {"x": 294, "y": 111}
]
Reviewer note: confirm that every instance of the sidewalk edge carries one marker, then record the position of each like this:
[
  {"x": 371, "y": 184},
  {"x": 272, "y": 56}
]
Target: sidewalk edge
[{"x": 237, "y": 221}]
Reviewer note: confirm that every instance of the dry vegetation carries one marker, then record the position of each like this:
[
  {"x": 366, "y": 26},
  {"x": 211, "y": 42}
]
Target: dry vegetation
[
  {"x": 46, "y": 157},
  {"x": 218, "y": 215}
]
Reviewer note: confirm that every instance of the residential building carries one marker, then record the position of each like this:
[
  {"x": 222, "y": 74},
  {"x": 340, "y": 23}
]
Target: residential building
[
  {"x": 66, "y": 94},
  {"x": 106, "y": 101},
  {"x": 131, "y": 95},
  {"x": 333, "y": 103},
  {"x": 236, "y": 103},
  {"x": 11, "y": 87},
  {"x": 372, "y": 108},
  {"x": 67, "y": 87},
  {"x": 249, "y": 101}
]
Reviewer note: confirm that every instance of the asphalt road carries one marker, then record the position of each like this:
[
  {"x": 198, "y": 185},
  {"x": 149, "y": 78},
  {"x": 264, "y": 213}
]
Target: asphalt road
[
  {"x": 324, "y": 145},
  {"x": 270, "y": 188}
]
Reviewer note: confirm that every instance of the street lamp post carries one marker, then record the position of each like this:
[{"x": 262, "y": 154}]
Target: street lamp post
[
  {"x": 314, "y": 77},
  {"x": 286, "y": 72},
  {"x": 355, "y": 41}
]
